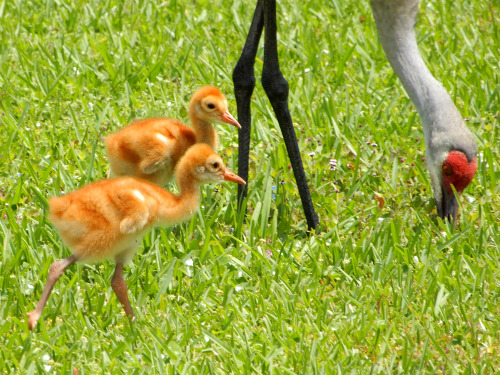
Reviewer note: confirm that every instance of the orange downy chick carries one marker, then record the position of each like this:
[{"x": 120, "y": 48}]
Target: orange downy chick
[
  {"x": 150, "y": 149},
  {"x": 106, "y": 219}
]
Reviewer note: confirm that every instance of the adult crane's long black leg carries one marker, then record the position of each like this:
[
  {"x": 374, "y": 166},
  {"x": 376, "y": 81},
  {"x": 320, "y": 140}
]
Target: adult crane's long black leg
[
  {"x": 244, "y": 83},
  {"x": 276, "y": 88}
]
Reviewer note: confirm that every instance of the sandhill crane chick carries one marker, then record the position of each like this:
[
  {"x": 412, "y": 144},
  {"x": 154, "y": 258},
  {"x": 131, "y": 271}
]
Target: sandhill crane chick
[
  {"x": 150, "y": 149},
  {"x": 106, "y": 219}
]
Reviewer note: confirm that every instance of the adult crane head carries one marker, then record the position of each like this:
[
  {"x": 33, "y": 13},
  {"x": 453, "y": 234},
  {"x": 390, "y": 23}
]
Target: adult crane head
[
  {"x": 452, "y": 160},
  {"x": 450, "y": 146}
]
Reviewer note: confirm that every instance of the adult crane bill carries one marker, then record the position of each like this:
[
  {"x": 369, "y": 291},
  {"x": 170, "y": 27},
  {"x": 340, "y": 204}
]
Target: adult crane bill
[{"x": 457, "y": 173}]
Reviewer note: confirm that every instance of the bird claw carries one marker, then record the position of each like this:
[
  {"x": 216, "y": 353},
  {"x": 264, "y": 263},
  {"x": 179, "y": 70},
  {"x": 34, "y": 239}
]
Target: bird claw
[{"x": 32, "y": 319}]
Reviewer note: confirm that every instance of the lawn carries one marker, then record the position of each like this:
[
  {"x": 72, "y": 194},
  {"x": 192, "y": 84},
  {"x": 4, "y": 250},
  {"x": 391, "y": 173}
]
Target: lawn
[{"x": 383, "y": 286}]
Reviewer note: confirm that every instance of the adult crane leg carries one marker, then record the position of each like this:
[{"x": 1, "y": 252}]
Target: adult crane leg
[
  {"x": 276, "y": 88},
  {"x": 244, "y": 83}
]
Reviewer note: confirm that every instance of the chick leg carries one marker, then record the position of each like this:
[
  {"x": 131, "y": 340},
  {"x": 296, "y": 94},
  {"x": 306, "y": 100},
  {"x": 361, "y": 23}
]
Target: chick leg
[
  {"x": 120, "y": 288},
  {"x": 57, "y": 268}
]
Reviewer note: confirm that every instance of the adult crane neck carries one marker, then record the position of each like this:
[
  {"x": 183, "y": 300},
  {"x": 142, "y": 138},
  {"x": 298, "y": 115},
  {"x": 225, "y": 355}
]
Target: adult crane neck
[{"x": 395, "y": 24}]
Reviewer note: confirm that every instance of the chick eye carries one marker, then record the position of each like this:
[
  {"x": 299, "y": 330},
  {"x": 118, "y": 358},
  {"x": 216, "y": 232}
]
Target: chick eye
[
  {"x": 215, "y": 165},
  {"x": 211, "y": 105},
  {"x": 447, "y": 170}
]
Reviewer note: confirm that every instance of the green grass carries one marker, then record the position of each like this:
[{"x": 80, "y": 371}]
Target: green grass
[{"x": 389, "y": 289}]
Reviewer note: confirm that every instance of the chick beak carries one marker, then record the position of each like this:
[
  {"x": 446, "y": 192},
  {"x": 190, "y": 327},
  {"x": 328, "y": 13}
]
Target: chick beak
[
  {"x": 230, "y": 176},
  {"x": 229, "y": 119}
]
